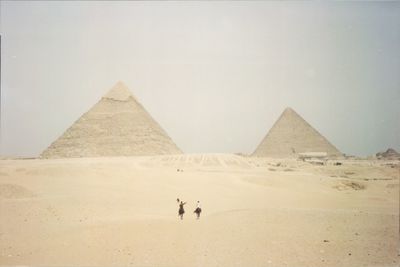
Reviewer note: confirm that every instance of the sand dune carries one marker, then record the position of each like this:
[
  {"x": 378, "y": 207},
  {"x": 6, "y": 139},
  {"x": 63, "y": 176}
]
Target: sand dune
[
  {"x": 256, "y": 212},
  {"x": 14, "y": 191}
]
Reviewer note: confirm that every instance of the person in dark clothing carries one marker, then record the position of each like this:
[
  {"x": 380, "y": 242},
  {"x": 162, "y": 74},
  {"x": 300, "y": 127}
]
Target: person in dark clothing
[
  {"x": 198, "y": 210},
  {"x": 181, "y": 210}
]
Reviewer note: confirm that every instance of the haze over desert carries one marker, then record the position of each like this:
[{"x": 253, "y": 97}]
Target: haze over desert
[
  {"x": 96, "y": 198},
  {"x": 104, "y": 194},
  {"x": 200, "y": 133}
]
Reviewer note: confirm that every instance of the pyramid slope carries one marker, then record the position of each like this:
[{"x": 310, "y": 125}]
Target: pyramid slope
[
  {"x": 291, "y": 135},
  {"x": 117, "y": 125},
  {"x": 389, "y": 154}
]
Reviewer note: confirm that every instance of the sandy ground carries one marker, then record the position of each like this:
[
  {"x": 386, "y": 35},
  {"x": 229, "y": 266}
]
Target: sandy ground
[{"x": 256, "y": 212}]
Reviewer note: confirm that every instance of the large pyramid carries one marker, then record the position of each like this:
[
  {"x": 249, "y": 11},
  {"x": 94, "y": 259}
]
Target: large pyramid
[
  {"x": 291, "y": 135},
  {"x": 117, "y": 125}
]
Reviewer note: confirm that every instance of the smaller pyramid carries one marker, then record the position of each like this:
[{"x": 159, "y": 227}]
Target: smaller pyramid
[
  {"x": 291, "y": 135},
  {"x": 117, "y": 125},
  {"x": 389, "y": 154}
]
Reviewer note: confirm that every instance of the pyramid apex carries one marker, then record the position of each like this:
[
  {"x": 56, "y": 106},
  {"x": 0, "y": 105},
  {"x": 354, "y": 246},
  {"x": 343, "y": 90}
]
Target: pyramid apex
[
  {"x": 288, "y": 109},
  {"x": 289, "y": 112},
  {"x": 119, "y": 92},
  {"x": 120, "y": 83}
]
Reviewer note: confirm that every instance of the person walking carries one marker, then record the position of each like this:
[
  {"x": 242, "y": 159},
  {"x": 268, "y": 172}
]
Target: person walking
[
  {"x": 198, "y": 210},
  {"x": 181, "y": 209}
]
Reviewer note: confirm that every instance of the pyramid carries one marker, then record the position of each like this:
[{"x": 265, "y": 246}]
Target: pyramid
[
  {"x": 389, "y": 154},
  {"x": 117, "y": 125},
  {"x": 291, "y": 135}
]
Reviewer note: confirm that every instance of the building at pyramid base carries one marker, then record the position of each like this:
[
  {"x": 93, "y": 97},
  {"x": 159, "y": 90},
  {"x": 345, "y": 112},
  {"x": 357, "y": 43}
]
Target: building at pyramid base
[
  {"x": 290, "y": 136},
  {"x": 117, "y": 125}
]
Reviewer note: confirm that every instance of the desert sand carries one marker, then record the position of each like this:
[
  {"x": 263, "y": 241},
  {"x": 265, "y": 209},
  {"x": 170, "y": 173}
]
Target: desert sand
[{"x": 122, "y": 211}]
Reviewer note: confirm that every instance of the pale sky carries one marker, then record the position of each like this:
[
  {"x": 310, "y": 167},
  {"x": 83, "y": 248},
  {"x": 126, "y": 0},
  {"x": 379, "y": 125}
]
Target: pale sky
[{"x": 215, "y": 75}]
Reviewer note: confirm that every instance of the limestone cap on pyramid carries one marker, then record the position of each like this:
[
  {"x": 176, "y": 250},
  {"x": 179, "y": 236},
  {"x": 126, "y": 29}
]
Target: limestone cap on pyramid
[
  {"x": 118, "y": 125},
  {"x": 119, "y": 92},
  {"x": 291, "y": 135}
]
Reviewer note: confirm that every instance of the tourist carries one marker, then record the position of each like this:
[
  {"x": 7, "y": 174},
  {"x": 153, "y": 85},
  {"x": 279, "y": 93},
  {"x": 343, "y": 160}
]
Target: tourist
[
  {"x": 181, "y": 210},
  {"x": 198, "y": 210}
]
